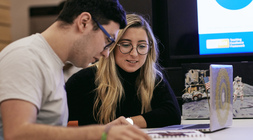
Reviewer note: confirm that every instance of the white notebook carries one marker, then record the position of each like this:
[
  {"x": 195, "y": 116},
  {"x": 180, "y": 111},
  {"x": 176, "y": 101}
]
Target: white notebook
[{"x": 177, "y": 135}]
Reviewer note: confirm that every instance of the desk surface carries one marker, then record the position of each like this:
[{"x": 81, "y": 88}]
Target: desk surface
[{"x": 241, "y": 129}]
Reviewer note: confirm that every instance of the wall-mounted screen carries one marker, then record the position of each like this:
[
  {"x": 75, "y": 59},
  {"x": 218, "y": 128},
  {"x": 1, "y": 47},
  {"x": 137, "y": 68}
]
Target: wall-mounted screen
[
  {"x": 225, "y": 26},
  {"x": 209, "y": 28}
]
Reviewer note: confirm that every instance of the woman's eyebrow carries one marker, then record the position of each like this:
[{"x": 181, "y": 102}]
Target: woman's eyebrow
[
  {"x": 125, "y": 40},
  {"x": 142, "y": 41}
]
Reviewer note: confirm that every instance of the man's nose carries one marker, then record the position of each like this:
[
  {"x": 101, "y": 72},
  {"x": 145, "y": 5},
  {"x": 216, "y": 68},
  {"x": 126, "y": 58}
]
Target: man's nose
[{"x": 105, "y": 53}]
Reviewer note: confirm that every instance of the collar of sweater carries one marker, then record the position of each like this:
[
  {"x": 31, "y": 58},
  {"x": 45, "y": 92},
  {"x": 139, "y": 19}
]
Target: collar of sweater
[{"x": 128, "y": 76}]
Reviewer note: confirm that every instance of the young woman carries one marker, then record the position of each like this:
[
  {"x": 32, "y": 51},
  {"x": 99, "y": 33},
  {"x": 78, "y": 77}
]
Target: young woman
[{"x": 128, "y": 83}]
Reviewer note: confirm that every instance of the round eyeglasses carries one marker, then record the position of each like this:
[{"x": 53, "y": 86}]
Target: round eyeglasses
[{"x": 126, "y": 48}]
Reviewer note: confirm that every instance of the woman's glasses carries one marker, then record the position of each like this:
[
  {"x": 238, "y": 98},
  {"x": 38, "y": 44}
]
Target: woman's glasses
[{"x": 126, "y": 48}]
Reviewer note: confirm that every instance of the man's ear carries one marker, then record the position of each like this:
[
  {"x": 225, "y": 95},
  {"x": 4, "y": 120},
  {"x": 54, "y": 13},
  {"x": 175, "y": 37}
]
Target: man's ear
[{"x": 84, "y": 20}]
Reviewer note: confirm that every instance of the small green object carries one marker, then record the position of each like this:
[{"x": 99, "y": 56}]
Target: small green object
[{"x": 104, "y": 135}]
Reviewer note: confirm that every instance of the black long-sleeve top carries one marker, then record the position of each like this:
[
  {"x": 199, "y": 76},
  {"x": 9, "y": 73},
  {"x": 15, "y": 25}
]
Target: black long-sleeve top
[{"x": 81, "y": 96}]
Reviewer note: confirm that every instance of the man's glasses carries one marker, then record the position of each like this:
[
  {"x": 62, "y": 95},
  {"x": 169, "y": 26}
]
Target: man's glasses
[
  {"x": 126, "y": 48},
  {"x": 109, "y": 38}
]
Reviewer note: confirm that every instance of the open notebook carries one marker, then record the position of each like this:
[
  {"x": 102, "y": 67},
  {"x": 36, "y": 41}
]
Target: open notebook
[
  {"x": 177, "y": 135},
  {"x": 220, "y": 101}
]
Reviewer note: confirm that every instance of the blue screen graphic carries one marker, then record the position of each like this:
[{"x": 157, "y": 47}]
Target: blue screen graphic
[
  {"x": 226, "y": 43},
  {"x": 234, "y": 4}
]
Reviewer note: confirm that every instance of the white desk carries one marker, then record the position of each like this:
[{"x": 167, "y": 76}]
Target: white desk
[{"x": 241, "y": 129}]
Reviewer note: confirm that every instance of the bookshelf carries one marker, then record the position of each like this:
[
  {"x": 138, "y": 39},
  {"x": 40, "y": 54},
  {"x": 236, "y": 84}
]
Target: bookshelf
[{"x": 5, "y": 23}]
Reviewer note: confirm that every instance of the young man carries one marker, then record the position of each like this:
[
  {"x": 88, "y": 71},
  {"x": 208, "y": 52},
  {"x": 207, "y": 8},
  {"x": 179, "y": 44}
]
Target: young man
[{"x": 32, "y": 95}]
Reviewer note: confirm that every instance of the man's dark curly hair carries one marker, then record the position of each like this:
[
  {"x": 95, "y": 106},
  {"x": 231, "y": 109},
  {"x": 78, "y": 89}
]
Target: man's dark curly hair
[{"x": 101, "y": 10}]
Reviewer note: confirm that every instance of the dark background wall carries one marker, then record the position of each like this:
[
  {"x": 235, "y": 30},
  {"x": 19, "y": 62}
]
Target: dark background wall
[{"x": 143, "y": 7}]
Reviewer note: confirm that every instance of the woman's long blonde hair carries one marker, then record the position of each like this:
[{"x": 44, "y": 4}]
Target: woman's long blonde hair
[{"x": 109, "y": 88}]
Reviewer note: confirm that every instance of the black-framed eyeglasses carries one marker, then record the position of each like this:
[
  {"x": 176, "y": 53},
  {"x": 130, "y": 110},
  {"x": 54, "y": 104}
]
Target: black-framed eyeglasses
[
  {"x": 126, "y": 48},
  {"x": 110, "y": 39}
]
